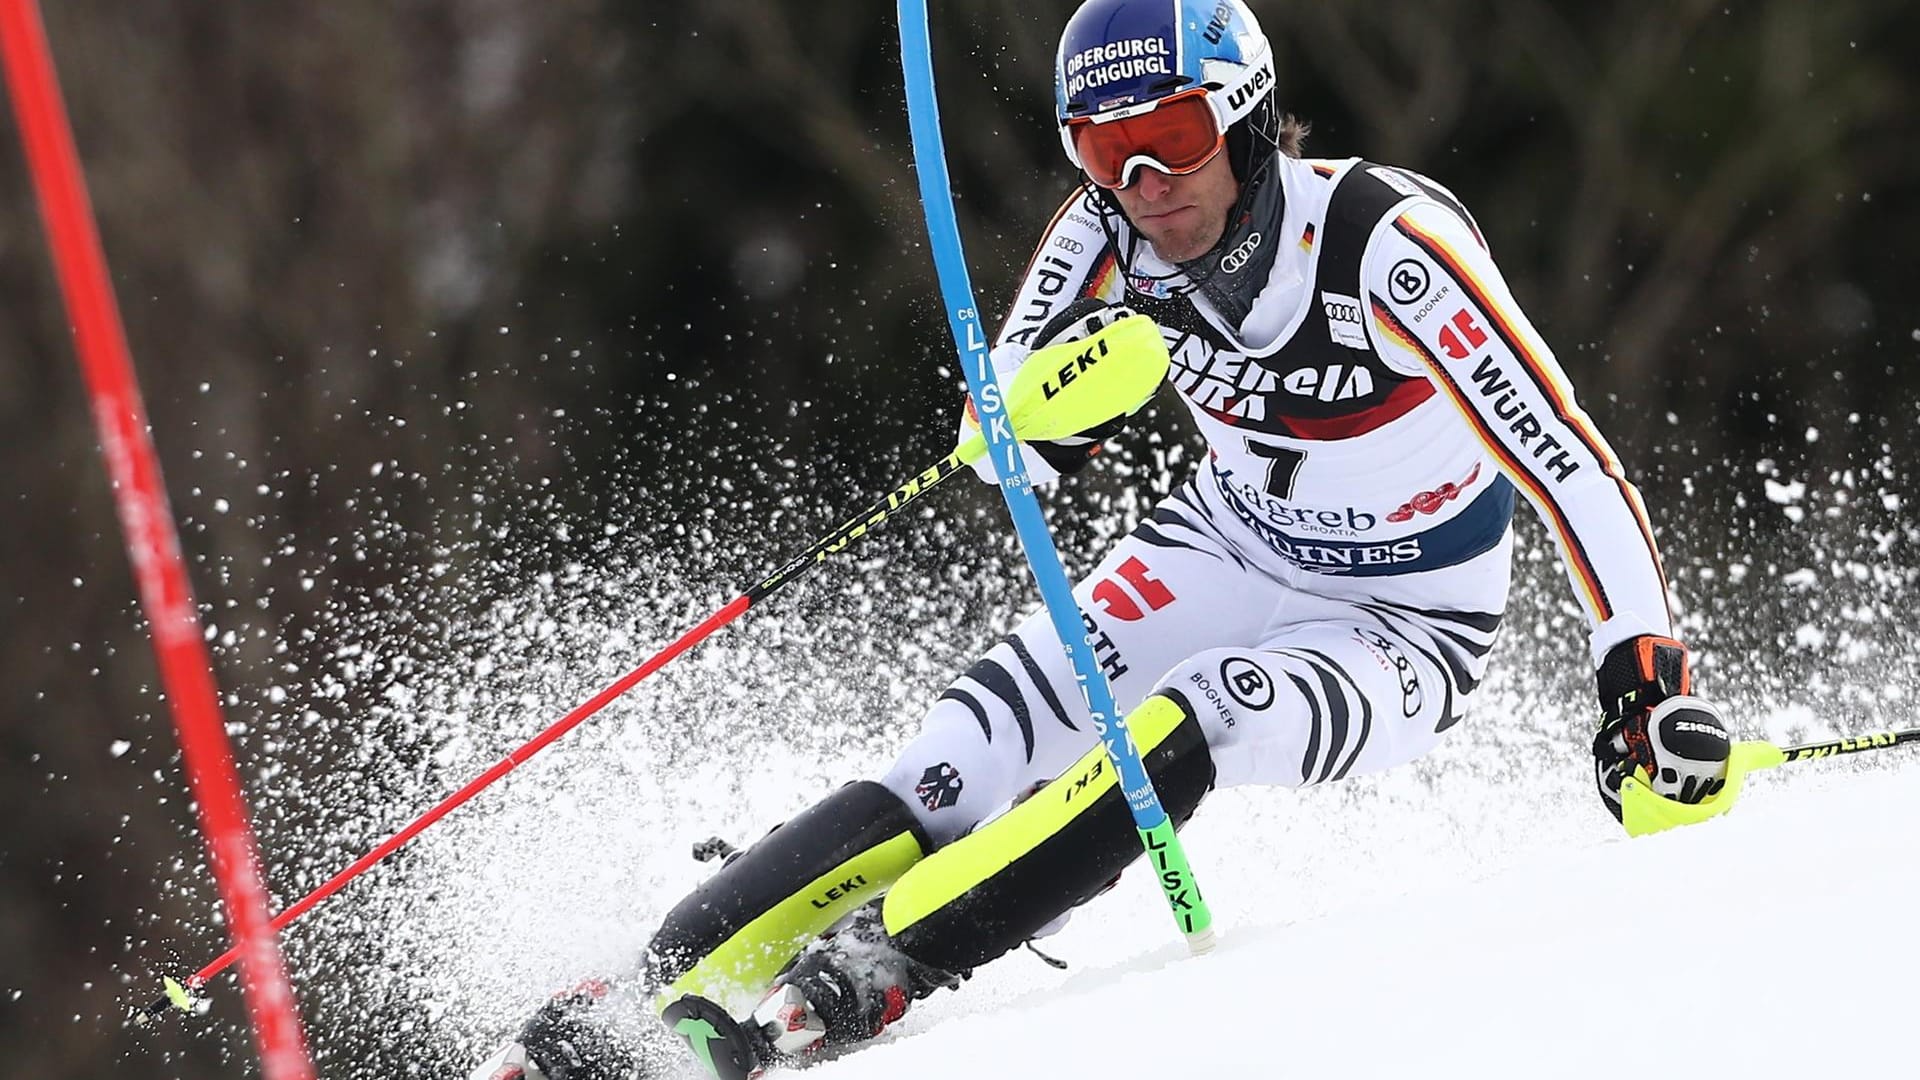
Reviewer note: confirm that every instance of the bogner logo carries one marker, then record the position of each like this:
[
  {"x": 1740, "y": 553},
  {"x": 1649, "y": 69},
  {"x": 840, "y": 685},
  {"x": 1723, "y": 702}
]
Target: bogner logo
[
  {"x": 1252, "y": 88},
  {"x": 1396, "y": 180},
  {"x": 1236, "y": 260}
]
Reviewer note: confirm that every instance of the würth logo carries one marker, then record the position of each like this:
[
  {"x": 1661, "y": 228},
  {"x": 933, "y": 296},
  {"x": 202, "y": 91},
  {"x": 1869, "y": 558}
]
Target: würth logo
[{"x": 1114, "y": 600}]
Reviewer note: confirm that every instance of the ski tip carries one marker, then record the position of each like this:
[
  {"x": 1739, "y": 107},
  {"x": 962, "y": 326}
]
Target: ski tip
[{"x": 1201, "y": 942}]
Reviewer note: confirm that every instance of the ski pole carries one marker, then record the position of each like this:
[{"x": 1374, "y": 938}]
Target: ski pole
[
  {"x": 1079, "y": 385},
  {"x": 1644, "y": 811},
  {"x": 1163, "y": 845},
  {"x": 1851, "y": 745}
]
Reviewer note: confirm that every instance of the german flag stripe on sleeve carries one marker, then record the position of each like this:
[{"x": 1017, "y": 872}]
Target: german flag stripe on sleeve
[
  {"x": 1100, "y": 282},
  {"x": 1391, "y": 327},
  {"x": 1445, "y": 198},
  {"x": 1543, "y": 376}
]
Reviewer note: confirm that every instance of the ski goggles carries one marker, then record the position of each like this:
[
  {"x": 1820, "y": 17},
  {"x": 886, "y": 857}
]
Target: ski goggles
[{"x": 1176, "y": 134}]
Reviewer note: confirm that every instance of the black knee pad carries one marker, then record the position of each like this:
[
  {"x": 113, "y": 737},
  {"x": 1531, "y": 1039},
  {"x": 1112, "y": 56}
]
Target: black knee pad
[
  {"x": 728, "y": 939},
  {"x": 994, "y": 888}
]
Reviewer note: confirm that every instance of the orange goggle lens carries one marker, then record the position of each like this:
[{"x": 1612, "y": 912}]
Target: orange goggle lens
[{"x": 1179, "y": 136}]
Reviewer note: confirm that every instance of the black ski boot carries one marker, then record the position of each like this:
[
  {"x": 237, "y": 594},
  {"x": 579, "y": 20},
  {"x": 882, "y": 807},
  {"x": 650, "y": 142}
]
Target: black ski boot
[
  {"x": 570, "y": 1038},
  {"x": 843, "y": 990}
]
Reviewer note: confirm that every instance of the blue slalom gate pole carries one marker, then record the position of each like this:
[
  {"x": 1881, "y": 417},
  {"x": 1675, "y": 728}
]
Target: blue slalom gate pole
[{"x": 956, "y": 289}]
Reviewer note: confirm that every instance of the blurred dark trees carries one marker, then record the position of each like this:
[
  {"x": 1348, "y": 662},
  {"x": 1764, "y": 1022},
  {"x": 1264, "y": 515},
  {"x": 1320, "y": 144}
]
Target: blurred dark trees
[{"x": 379, "y": 260}]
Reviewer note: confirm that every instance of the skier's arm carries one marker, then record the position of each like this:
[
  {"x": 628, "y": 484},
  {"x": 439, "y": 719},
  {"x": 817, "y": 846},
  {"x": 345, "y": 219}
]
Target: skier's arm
[
  {"x": 1439, "y": 307},
  {"x": 1071, "y": 262}
]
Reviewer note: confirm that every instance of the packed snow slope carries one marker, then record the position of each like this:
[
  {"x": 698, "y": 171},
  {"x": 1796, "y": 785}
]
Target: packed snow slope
[{"x": 1774, "y": 942}]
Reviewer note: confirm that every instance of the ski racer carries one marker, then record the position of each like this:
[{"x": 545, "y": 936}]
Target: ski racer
[{"x": 1319, "y": 600}]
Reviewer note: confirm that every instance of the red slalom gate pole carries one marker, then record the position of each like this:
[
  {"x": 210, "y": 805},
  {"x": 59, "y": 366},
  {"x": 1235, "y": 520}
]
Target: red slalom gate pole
[{"x": 152, "y": 542}]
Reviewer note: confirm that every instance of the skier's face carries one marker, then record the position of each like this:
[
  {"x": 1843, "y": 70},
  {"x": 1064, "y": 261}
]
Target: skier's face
[{"x": 1181, "y": 216}]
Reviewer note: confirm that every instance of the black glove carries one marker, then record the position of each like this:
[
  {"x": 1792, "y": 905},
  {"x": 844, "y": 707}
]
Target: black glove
[
  {"x": 1069, "y": 454},
  {"x": 1081, "y": 319},
  {"x": 1651, "y": 720}
]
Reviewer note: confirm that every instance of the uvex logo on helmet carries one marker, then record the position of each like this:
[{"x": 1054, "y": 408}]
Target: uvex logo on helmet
[
  {"x": 1217, "y": 25},
  {"x": 1236, "y": 260},
  {"x": 1255, "y": 85}
]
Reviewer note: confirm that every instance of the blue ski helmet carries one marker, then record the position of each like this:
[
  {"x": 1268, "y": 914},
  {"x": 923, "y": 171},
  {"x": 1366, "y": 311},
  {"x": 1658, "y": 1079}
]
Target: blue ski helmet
[{"x": 1120, "y": 58}]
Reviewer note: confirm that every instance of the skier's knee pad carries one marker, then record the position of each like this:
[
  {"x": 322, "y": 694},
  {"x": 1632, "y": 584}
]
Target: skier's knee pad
[
  {"x": 989, "y": 891},
  {"x": 728, "y": 939}
]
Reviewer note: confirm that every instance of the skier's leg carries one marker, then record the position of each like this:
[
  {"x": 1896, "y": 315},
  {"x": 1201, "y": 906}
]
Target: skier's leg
[
  {"x": 1320, "y": 701},
  {"x": 1064, "y": 845},
  {"x": 846, "y": 988},
  {"x": 732, "y": 935},
  {"x": 1018, "y": 717},
  {"x": 1358, "y": 688},
  {"x": 1015, "y": 719},
  {"x": 727, "y": 939},
  {"x": 1324, "y": 702},
  {"x": 984, "y": 894}
]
